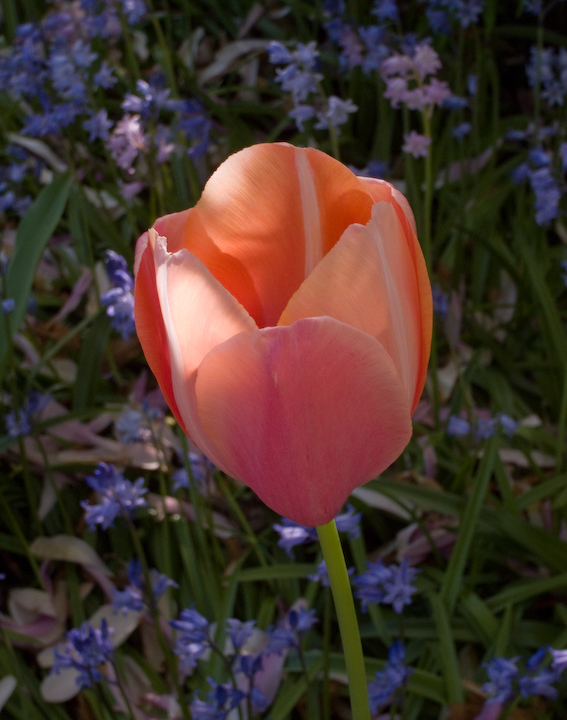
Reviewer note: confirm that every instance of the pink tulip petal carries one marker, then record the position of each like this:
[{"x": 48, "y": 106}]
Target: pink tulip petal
[
  {"x": 304, "y": 413},
  {"x": 150, "y": 327},
  {"x": 266, "y": 217},
  {"x": 382, "y": 190},
  {"x": 198, "y": 314},
  {"x": 368, "y": 281}
]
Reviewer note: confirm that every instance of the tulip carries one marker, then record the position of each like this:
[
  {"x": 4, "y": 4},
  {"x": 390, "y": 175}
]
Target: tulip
[{"x": 287, "y": 319}]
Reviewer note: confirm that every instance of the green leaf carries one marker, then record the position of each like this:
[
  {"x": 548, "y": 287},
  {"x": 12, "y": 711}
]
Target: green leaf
[
  {"x": 447, "y": 652},
  {"x": 455, "y": 570},
  {"x": 37, "y": 226},
  {"x": 276, "y": 572},
  {"x": 88, "y": 373}
]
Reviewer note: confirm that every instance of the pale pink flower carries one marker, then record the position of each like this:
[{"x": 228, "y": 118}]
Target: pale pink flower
[{"x": 416, "y": 144}]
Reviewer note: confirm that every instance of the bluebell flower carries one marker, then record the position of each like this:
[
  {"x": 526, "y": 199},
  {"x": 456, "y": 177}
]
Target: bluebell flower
[
  {"x": 388, "y": 681},
  {"x": 133, "y": 596},
  {"x": 134, "y": 10},
  {"x": 559, "y": 659},
  {"x": 484, "y": 429},
  {"x": 292, "y": 534},
  {"x": 455, "y": 102},
  {"x": 349, "y": 522},
  {"x": 259, "y": 701},
  {"x": 132, "y": 426},
  {"x": 104, "y": 77},
  {"x": 460, "y": 131},
  {"x": 388, "y": 585},
  {"x": 224, "y": 696},
  {"x": 336, "y": 114},
  {"x": 398, "y": 589},
  {"x": 538, "y": 158},
  {"x": 515, "y": 135},
  {"x": 202, "y": 710},
  {"x": 502, "y": 673},
  {"x": 520, "y": 173},
  {"x": 20, "y": 422},
  {"x": 468, "y": 11},
  {"x": 239, "y": 631},
  {"x": 117, "y": 495},
  {"x": 8, "y": 306},
  {"x": 440, "y": 301},
  {"x": 249, "y": 664},
  {"x": 192, "y": 640},
  {"x": 201, "y": 469},
  {"x": 98, "y": 125},
  {"x": 385, "y": 10},
  {"x": 508, "y": 424},
  {"x": 288, "y": 632},
  {"x": 129, "y": 599},
  {"x": 196, "y": 125},
  {"x": 85, "y": 651},
  {"x": 458, "y": 426},
  {"x": 119, "y": 301},
  {"x": 547, "y": 195},
  {"x": 438, "y": 21},
  {"x": 278, "y": 54},
  {"x": 533, "y": 6}
]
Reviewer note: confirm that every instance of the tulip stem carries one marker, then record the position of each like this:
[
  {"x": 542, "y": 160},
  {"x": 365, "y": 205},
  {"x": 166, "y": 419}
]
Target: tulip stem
[{"x": 346, "y": 614}]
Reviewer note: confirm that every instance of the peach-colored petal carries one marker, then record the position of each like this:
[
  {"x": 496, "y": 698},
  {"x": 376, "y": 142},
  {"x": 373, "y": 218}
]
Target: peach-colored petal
[
  {"x": 304, "y": 413},
  {"x": 368, "y": 281},
  {"x": 198, "y": 314},
  {"x": 382, "y": 190},
  {"x": 150, "y": 327},
  {"x": 267, "y": 216}
]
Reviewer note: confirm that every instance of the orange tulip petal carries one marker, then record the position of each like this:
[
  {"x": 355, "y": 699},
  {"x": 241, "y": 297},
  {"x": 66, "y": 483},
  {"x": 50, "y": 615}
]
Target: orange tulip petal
[
  {"x": 304, "y": 413},
  {"x": 267, "y": 216},
  {"x": 382, "y": 190},
  {"x": 368, "y": 281},
  {"x": 198, "y": 314},
  {"x": 149, "y": 322}
]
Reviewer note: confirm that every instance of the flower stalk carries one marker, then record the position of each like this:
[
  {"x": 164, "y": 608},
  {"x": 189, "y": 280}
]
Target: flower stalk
[{"x": 346, "y": 615}]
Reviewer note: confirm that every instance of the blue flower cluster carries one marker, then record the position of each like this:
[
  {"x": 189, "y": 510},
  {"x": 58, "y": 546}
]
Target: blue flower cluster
[
  {"x": 507, "y": 682},
  {"x": 482, "y": 428},
  {"x": 540, "y": 172},
  {"x": 135, "y": 596},
  {"x": 118, "y": 497},
  {"x": 195, "y": 639},
  {"x": 86, "y": 650},
  {"x": 440, "y": 14},
  {"x": 547, "y": 71},
  {"x": 119, "y": 301},
  {"x": 20, "y": 422},
  {"x": 382, "y": 691},
  {"x": 53, "y": 71},
  {"x": 386, "y": 585},
  {"x": 300, "y": 78},
  {"x": 201, "y": 470},
  {"x": 292, "y": 534}
]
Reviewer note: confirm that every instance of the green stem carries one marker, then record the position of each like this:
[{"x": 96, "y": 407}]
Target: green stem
[
  {"x": 428, "y": 200},
  {"x": 346, "y": 614}
]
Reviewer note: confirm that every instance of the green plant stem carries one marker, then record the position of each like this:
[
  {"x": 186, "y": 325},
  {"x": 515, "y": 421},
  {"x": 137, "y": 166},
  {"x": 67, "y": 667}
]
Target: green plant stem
[
  {"x": 428, "y": 199},
  {"x": 346, "y": 614}
]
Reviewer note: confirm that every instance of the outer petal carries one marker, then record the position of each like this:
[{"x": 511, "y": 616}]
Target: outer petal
[
  {"x": 149, "y": 322},
  {"x": 368, "y": 281},
  {"x": 304, "y": 413},
  {"x": 198, "y": 314},
  {"x": 266, "y": 218},
  {"x": 382, "y": 190}
]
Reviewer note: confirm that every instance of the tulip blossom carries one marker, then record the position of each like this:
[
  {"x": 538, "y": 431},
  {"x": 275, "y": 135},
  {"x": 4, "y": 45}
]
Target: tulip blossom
[{"x": 287, "y": 319}]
